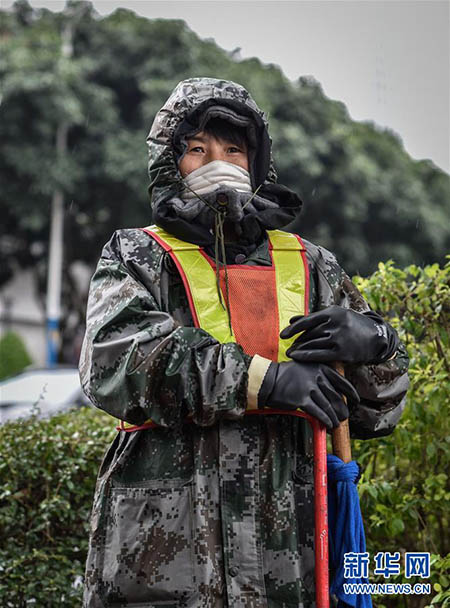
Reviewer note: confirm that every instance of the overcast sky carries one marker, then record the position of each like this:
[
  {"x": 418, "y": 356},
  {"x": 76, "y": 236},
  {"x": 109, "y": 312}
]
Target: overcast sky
[{"x": 388, "y": 61}]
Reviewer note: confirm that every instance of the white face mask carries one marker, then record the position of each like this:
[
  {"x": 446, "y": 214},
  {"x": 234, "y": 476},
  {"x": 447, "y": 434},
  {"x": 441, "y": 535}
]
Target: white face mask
[{"x": 211, "y": 176}]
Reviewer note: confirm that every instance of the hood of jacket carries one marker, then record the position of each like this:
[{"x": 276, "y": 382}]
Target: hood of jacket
[{"x": 192, "y": 103}]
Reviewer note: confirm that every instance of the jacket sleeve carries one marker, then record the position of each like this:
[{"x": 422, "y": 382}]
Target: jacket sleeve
[
  {"x": 382, "y": 387},
  {"x": 137, "y": 362}
]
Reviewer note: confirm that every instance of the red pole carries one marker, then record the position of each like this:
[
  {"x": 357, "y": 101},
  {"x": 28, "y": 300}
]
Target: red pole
[{"x": 320, "y": 514}]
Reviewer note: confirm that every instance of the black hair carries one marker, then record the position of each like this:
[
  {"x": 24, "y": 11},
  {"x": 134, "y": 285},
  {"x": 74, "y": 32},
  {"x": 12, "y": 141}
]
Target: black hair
[{"x": 227, "y": 131}]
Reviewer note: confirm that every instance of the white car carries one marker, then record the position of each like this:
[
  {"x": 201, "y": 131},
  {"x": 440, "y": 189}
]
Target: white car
[{"x": 40, "y": 391}]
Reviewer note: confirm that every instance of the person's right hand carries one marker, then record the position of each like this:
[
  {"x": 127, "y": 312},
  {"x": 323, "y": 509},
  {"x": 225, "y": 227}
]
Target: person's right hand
[{"x": 316, "y": 388}]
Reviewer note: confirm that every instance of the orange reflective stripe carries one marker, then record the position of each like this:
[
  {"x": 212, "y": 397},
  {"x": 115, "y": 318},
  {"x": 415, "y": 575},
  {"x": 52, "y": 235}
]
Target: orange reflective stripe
[
  {"x": 198, "y": 274},
  {"x": 127, "y": 426},
  {"x": 290, "y": 288}
]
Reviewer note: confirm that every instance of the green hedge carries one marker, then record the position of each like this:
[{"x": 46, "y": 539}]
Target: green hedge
[
  {"x": 48, "y": 468},
  {"x": 404, "y": 490},
  {"x": 14, "y": 356},
  {"x": 47, "y": 477}
]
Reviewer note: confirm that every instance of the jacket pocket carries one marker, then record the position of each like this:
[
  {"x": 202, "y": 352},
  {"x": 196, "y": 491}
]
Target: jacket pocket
[{"x": 148, "y": 550}]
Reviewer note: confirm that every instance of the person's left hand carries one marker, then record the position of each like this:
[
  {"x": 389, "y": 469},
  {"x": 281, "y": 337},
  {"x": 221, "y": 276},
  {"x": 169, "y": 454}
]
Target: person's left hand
[{"x": 340, "y": 334}]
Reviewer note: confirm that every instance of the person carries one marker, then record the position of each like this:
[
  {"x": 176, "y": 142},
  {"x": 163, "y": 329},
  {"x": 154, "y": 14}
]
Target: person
[{"x": 197, "y": 502}]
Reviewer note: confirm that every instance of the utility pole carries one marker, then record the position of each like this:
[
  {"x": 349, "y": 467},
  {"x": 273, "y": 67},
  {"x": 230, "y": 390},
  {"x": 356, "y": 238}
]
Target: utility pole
[
  {"x": 55, "y": 263},
  {"x": 56, "y": 246}
]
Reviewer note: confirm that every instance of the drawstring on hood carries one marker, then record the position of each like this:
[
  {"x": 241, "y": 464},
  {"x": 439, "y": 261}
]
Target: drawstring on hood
[
  {"x": 220, "y": 213},
  {"x": 225, "y": 220}
]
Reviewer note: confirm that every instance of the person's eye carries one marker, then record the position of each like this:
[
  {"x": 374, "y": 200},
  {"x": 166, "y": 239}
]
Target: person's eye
[
  {"x": 234, "y": 150},
  {"x": 197, "y": 149}
]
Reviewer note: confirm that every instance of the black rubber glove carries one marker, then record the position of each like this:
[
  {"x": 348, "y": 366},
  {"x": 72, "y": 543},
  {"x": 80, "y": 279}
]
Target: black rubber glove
[
  {"x": 340, "y": 334},
  {"x": 314, "y": 387}
]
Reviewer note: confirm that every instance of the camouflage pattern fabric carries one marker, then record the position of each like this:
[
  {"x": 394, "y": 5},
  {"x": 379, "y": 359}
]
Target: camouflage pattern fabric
[{"x": 217, "y": 512}]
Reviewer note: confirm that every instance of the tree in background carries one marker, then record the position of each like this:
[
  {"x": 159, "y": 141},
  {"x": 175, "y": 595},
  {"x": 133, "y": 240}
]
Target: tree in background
[{"x": 365, "y": 198}]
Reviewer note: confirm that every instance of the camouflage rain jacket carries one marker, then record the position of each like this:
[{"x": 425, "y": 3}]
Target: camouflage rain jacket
[{"x": 217, "y": 512}]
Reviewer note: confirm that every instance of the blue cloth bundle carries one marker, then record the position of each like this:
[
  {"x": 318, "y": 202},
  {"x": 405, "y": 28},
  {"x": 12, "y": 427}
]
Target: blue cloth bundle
[{"x": 346, "y": 530}]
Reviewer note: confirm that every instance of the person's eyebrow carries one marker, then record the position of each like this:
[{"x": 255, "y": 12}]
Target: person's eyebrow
[{"x": 197, "y": 138}]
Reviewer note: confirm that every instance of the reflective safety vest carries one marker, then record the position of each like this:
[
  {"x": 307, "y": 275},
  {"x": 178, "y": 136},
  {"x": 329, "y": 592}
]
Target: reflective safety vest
[{"x": 262, "y": 299}]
